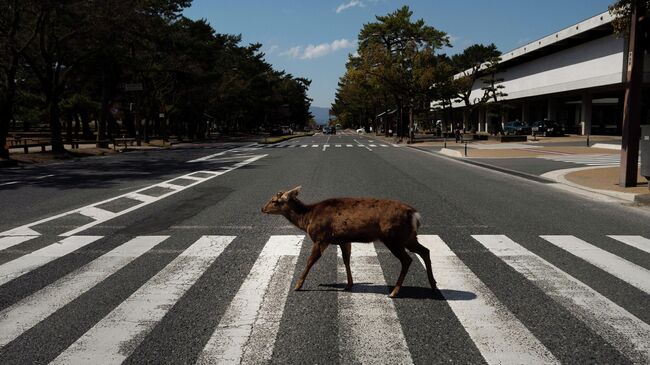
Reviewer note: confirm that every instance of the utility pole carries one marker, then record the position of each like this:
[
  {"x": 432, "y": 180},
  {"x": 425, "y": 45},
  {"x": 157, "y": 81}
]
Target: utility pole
[{"x": 632, "y": 107}]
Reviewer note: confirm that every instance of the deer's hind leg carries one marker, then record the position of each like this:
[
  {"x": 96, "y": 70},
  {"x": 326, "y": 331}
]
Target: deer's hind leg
[
  {"x": 414, "y": 246},
  {"x": 346, "y": 251}
]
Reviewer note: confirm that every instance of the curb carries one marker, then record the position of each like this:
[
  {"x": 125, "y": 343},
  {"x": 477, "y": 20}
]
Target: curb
[
  {"x": 606, "y": 146},
  {"x": 285, "y": 139},
  {"x": 449, "y": 152},
  {"x": 559, "y": 176}
]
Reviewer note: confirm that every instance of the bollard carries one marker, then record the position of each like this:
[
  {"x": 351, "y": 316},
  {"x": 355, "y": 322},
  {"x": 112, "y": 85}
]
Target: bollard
[
  {"x": 465, "y": 148},
  {"x": 445, "y": 142},
  {"x": 587, "y": 140}
]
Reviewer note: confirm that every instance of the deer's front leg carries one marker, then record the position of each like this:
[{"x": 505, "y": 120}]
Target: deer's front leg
[
  {"x": 346, "y": 251},
  {"x": 316, "y": 252}
]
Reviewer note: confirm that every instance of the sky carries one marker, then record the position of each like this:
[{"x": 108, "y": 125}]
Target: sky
[{"x": 313, "y": 38}]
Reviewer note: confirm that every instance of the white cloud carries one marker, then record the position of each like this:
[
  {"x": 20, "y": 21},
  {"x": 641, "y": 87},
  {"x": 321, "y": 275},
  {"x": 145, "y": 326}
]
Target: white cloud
[
  {"x": 292, "y": 52},
  {"x": 273, "y": 49},
  {"x": 351, "y": 4},
  {"x": 320, "y": 50}
]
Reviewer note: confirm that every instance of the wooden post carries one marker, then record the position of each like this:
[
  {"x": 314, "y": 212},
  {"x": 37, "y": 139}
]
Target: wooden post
[{"x": 632, "y": 107}]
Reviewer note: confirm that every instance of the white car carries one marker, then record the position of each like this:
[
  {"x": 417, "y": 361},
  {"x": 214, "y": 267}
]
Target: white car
[{"x": 360, "y": 130}]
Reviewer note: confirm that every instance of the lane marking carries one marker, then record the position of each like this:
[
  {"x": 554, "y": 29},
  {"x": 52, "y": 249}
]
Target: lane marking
[
  {"x": 101, "y": 217},
  {"x": 118, "y": 334},
  {"x": 10, "y": 183},
  {"x": 497, "y": 333},
  {"x": 369, "y": 330},
  {"x": 325, "y": 146},
  {"x": 6, "y": 242},
  {"x": 314, "y": 145},
  {"x": 362, "y": 145},
  {"x": 246, "y": 147},
  {"x": 249, "y": 327},
  {"x": 627, "y": 333},
  {"x": 631, "y": 273},
  {"x": 637, "y": 242},
  {"x": 27, "y": 313},
  {"x": 349, "y": 145},
  {"x": 38, "y": 258}
]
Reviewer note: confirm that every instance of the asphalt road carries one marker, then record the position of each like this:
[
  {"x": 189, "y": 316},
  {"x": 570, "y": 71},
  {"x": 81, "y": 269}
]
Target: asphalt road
[{"x": 120, "y": 259}]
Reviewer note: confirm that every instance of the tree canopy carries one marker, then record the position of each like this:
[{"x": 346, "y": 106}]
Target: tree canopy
[{"x": 135, "y": 67}]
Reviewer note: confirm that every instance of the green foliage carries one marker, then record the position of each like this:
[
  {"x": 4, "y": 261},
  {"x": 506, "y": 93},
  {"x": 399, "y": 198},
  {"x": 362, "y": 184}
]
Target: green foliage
[
  {"x": 622, "y": 12},
  {"x": 76, "y": 57}
]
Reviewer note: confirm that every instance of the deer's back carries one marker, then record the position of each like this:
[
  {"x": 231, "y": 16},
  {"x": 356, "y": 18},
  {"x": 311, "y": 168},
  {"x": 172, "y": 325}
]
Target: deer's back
[{"x": 359, "y": 220}]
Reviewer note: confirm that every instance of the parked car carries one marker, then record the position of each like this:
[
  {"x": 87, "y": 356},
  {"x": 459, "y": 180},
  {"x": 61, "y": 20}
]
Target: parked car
[
  {"x": 360, "y": 130},
  {"x": 547, "y": 128},
  {"x": 516, "y": 127}
]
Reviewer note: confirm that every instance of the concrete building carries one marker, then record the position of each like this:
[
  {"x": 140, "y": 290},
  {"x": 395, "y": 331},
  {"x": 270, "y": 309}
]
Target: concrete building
[{"x": 575, "y": 76}]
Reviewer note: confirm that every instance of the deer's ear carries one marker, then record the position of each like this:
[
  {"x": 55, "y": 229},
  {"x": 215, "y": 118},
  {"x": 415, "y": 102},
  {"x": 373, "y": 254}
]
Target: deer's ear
[{"x": 292, "y": 193}]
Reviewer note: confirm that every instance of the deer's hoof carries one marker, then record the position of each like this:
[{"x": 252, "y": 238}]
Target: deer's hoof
[
  {"x": 394, "y": 293},
  {"x": 298, "y": 285}
]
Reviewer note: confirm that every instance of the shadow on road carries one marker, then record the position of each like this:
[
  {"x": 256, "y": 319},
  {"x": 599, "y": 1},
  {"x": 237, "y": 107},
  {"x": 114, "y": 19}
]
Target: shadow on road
[{"x": 410, "y": 292}]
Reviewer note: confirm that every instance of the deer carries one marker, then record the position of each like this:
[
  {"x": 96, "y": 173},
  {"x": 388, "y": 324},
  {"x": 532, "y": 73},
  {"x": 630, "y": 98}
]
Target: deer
[{"x": 341, "y": 221}]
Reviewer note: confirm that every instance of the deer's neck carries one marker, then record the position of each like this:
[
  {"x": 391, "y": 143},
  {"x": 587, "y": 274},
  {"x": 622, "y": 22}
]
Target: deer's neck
[{"x": 298, "y": 214}]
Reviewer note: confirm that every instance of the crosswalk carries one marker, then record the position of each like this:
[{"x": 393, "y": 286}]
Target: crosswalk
[
  {"x": 369, "y": 329},
  {"x": 589, "y": 160},
  {"x": 333, "y": 145}
]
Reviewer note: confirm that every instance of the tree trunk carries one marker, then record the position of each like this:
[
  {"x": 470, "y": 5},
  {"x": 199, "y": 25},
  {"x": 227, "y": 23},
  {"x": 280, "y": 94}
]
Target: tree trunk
[
  {"x": 102, "y": 134},
  {"x": 86, "y": 133},
  {"x": 52, "y": 102},
  {"x": 7, "y": 106}
]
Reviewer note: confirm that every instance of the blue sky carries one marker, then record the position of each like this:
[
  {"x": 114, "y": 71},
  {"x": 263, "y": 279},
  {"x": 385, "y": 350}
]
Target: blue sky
[{"x": 312, "y": 38}]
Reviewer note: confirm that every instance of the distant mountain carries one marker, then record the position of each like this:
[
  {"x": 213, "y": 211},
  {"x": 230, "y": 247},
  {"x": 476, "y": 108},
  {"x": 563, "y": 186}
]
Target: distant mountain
[{"x": 321, "y": 115}]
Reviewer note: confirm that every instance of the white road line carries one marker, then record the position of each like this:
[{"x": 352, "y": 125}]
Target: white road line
[
  {"x": 303, "y": 145},
  {"x": 314, "y": 145},
  {"x": 384, "y": 145},
  {"x": 141, "y": 197},
  {"x": 96, "y": 213},
  {"x": 25, "y": 314},
  {"x": 631, "y": 273},
  {"x": 637, "y": 242},
  {"x": 617, "y": 326},
  {"x": 497, "y": 333},
  {"x": 38, "y": 258},
  {"x": 373, "y": 145},
  {"x": 349, "y": 145},
  {"x": 44, "y": 176},
  {"x": 204, "y": 158},
  {"x": 337, "y": 145},
  {"x": 10, "y": 183},
  {"x": 6, "y": 242},
  {"x": 26, "y": 230},
  {"x": 325, "y": 146},
  {"x": 394, "y": 145},
  {"x": 248, "y": 329},
  {"x": 369, "y": 330},
  {"x": 115, "y": 337}
]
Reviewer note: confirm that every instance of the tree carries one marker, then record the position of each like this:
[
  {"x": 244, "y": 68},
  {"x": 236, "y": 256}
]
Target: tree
[
  {"x": 17, "y": 30},
  {"x": 475, "y": 61},
  {"x": 398, "y": 51}
]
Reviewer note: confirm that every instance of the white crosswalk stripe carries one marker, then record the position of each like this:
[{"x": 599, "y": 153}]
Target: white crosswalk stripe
[
  {"x": 633, "y": 274},
  {"x": 31, "y": 261},
  {"x": 616, "y": 325},
  {"x": 248, "y": 329},
  {"x": 590, "y": 160},
  {"x": 325, "y": 146},
  {"x": 112, "y": 339},
  {"x": 28, "y": 312},
  {"x": 369, "y": 328},
  {"x": 496, "y": 332}
]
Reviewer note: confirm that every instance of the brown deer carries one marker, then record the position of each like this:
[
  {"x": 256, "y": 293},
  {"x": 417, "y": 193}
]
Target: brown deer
[{"x": 342, "y": 221}]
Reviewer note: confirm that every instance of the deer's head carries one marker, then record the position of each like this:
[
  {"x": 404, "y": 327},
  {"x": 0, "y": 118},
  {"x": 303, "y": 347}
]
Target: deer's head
[{"x": 279, "y": 202}]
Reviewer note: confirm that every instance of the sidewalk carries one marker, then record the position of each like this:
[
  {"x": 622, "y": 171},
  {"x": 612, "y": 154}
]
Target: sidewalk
[{"x": 601, "y": 179}]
